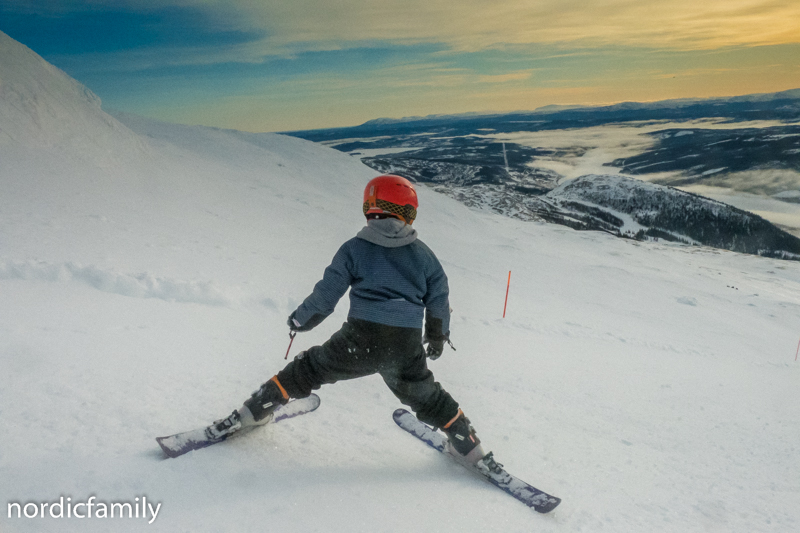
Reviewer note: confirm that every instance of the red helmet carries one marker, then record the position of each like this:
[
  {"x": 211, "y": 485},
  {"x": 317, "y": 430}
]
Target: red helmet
[{"x": 391, "y": 195}]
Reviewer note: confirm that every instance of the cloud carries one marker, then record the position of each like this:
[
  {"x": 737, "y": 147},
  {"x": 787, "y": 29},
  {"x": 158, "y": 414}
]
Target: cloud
[
  {"x": 503, "y": 78},
  {"x": 126, "y": 30},
  {"x": 471, "y": 25},
  {"x": 295, "y": 26}
]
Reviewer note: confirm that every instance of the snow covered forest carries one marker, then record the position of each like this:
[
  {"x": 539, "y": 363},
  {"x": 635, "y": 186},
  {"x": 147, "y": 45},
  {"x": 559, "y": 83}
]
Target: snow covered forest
[{"x": 146, "y": 273}]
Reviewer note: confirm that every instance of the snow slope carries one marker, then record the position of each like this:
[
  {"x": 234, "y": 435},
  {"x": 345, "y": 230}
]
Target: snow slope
[{"x": 146, "y": 272}]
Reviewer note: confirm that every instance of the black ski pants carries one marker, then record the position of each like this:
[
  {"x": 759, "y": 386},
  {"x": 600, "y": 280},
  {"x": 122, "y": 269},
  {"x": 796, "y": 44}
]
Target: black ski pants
[{"x": 362, "y": 348}]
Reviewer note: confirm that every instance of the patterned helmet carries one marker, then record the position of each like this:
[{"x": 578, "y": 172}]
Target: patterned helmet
[{"x": 391, "y": 195}]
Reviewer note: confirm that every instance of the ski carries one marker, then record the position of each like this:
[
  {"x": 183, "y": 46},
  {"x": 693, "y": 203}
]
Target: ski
[
  {"x": 181, "y": 443},
  {"x": 487, "y": 467}
]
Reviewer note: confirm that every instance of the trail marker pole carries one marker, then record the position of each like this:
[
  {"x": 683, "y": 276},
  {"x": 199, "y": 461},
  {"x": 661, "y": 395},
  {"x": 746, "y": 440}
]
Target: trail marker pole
[
  {"x": 798, "y": 351},
  {"x": 508, "y": 285}
]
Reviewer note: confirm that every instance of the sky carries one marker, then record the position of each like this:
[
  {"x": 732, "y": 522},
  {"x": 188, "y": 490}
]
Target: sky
[{"x": 277, "y": 65}]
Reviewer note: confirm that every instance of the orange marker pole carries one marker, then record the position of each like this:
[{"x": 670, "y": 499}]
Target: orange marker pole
[
  {"x": 797, "y": 352},
  {"x": 507, "y": 287}
]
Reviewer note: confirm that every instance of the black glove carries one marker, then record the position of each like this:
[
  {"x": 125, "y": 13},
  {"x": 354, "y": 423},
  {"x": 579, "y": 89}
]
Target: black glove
[
  {"x": 434, "y": 337},
  {"x": 435, "y": 348},
  {"x": 310, "y": 324}
]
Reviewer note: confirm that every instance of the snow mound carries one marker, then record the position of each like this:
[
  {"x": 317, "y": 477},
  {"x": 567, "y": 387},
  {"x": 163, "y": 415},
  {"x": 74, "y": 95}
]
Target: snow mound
[
  {"x": 42, "y": 107},
  {"x": 142, "y": 285}
]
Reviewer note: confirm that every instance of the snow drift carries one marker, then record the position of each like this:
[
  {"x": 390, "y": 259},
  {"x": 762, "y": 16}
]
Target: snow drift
[{"x": 651, "y": 386}]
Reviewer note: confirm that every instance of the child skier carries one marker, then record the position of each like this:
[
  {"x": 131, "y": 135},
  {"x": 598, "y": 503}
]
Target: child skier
[{"x": 394, "y": 280}]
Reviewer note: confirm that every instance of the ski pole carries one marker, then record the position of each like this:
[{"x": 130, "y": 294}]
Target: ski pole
[{"x": 291, "y": 340}]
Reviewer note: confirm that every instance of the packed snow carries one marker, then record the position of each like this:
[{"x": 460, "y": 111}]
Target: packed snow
[{"x": 146, "y": 273}]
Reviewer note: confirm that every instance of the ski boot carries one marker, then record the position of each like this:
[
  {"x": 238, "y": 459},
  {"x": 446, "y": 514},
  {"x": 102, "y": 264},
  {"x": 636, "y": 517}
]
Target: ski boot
[
  {"x": 462, "y": 441},
  {"x": 259, "y": 408},
  {"x": 256, "y": 411}
]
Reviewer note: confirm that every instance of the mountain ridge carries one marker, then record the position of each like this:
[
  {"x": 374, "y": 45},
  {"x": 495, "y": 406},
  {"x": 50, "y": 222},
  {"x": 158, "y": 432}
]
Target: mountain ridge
[{"x": 790, "y": 94}]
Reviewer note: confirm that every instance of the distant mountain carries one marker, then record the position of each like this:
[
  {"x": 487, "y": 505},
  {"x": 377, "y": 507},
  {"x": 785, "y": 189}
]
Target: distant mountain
[
  {"x": 466, "y": 116},
  {"x": 793, "y": 94},
  {"x": 632, "y": 208},
  {"x": 784, "y": 106},
  {"x": 389, "y": 121}
]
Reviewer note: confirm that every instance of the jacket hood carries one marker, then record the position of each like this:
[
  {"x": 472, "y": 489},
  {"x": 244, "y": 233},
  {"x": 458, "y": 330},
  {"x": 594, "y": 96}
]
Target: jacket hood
[{"x": 388, "y": 232}]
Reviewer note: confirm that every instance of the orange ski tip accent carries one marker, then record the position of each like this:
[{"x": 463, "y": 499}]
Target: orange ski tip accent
[
  {"x": 460, "y": 412},
  {"x": 278, "y": 383}
]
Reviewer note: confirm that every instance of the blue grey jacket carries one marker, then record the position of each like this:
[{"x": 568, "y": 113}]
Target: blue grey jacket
[{"x": 394, "y": 279}]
